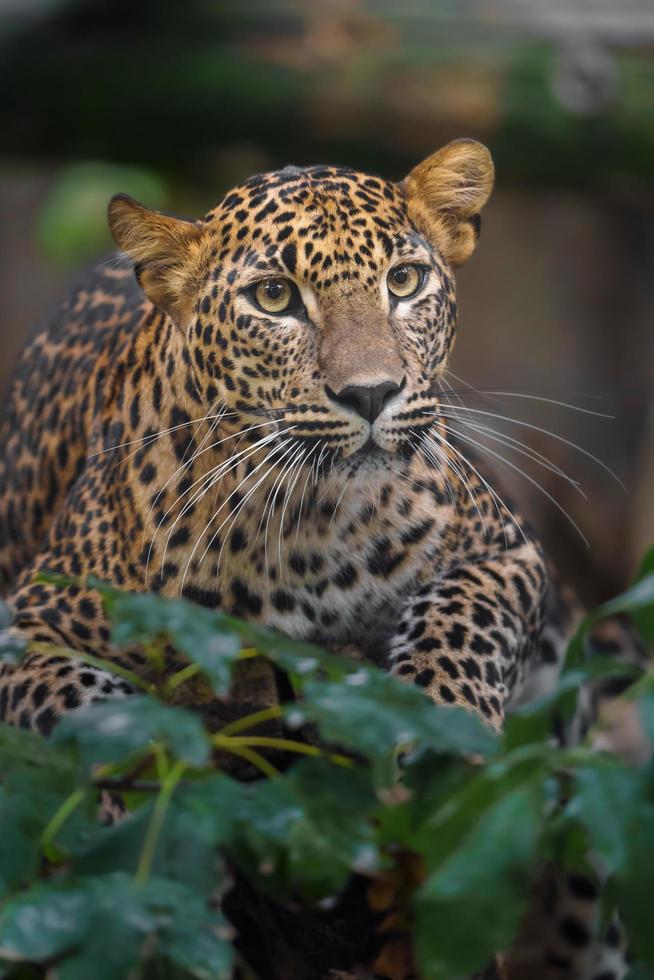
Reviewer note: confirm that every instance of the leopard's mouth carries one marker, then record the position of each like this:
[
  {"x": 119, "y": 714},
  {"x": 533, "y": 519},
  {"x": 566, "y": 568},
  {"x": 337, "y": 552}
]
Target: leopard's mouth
[
  {"x": 369, "y": 457},
  {"x": 370, "y": 448}
]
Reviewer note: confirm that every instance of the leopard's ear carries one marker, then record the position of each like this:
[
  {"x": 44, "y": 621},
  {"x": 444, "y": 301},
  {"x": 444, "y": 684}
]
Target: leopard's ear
[
  {"x": 445, "y": 194},
  {"x": 167, "y": 253}
]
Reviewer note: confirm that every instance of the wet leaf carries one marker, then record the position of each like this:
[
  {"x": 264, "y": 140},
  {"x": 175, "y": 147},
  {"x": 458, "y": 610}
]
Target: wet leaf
[
  {"x": 374, "y": 714},
  {"x": 109, "y": 731},
  {"x": 20, "y": 747},
  {"x": 192, "y": 630},
  {"x": 609, "y": 802},
  {"x": 471, "y": 905},
  {"x": 42, "y": 923},
  {"x": 102, "y": 923}
]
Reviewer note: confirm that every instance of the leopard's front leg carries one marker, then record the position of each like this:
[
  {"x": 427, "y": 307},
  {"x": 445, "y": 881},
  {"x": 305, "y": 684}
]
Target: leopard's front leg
[{"x": 466, "y": 636}]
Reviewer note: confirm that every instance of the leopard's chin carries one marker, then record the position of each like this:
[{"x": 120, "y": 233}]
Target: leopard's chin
[
  {"x": 370, "y": 459},
  {"x": 370, "y": 448}
]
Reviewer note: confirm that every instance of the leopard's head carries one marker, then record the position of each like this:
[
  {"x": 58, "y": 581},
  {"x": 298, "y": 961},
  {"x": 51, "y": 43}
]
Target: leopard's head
[{"x": 321, "y": 300}]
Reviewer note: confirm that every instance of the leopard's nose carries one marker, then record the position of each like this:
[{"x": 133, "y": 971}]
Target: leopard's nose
[{"x": 368, "y": 402}]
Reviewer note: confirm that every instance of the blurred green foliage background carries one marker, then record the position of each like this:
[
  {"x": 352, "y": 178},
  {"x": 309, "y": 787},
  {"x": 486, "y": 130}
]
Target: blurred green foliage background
[{"x": 174, "y": 102}]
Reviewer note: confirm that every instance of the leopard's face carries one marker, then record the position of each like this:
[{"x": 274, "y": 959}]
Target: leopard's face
[
  {"x": 318, "y": 304},
  {"x": 325, "y": 309}
]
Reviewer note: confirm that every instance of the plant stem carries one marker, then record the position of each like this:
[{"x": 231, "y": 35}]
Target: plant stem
[
  {"x": 156, "y": 822},
  {"x": 129, "y": 785},
  {"x": 251, "y": 720},
  {"x": 105, "y": 772},
  {"x": 255, "y": 759},
  {"x": 191, "y": 670},
  {"x": 161, "y": 762},
  {"x": 181, "y": 677},
  {"x": 283, "y": 744},
  {"x": 57, "y": 821}
]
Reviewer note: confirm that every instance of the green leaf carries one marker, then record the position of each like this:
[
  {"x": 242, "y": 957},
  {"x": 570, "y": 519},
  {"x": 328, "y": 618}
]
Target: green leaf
[
  {"x": 198, "y": 633},
  {"x": 431, "y": 778},
  {"x": 444, "y": 829},
  {"x": 277, "y": 841},
  {"x": 43, "y": 922},
  {"x": 6, "y": 615},
  {"x": 533, "y": 723},
  {"x": 646, "y": 714},
  {"x": 12, "y": 645},
  {"x": 564, "y": 842},
  {"x": 471, "y": 906},
  {"x": 637, "y": 601},
  {"x": 331, "y": 835},
  {"x": 374, "y": 714},
  {"x": 102, "y": 924},
  {"x": 109, "y": 731},
  {"x": 644, "y": 615},
  {"x": 20, "y": 748},
  {"x": 425, "y": 788},
  {"x": 302, "y": 661},
  {"x": 609, "y": 802},
  {"x": 198, "y": 940},
  {"x": 113, "y": 937},
  {"x": 428, "y": 781},
  {"x": 187, "y": 847},
  {"x": 639, "y": 597},
  {"x": 19, "y": 842},
  {"x": 640, "y": 973},
  {"x": 636, "y": 884},
  {"x": 28, "y": 800},
  {"x": 209, "y": 638},
  {"x": 305, "y": 831}
]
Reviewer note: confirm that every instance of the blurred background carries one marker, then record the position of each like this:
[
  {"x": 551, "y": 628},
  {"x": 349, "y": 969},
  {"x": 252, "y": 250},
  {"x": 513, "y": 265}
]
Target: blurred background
[{"x": 175, "y": 102}]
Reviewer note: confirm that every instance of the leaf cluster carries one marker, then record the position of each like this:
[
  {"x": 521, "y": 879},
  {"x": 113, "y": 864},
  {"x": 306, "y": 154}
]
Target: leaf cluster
[{"x": 392, "y": 782}]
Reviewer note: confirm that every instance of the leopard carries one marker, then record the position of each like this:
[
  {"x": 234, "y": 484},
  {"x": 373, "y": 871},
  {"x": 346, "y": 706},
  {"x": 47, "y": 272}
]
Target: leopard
[{"x": 248, "y": 411}]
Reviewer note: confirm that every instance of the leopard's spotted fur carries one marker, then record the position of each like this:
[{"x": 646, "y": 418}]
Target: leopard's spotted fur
[{"x": 324, "y": 519}]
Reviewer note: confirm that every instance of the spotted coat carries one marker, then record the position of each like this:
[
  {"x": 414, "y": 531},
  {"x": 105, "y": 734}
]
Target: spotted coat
[{"x": 167, "y": 431}]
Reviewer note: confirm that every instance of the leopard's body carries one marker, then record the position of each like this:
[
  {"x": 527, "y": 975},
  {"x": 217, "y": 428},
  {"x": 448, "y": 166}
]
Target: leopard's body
[{"x": 292, "y": 467}]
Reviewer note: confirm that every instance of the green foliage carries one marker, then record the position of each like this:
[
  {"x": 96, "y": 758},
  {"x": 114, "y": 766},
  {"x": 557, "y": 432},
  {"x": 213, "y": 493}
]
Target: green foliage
[
  {"x": 213, "y": 89},
  {"x": 389, "y": 775},
  {"x": 470, "y": 905},
  {"x": 72, "y": 225}
]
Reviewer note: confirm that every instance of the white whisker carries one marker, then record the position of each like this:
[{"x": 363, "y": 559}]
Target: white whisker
[
  {"x": 270, "y": 504},
  {"x": 495, "y": 496},
  {"x": 194, "y": 457},
  {"x": 340, "y": 497},
  {"x": 546, "y": 432},
  {"x": 233, "y": 516},
  {"x": 241, "y": 503},
  {"x": 215, "y": 474},
  {"x": 552, "y": 401},
  {"x": 498, "y": 456},
  {"x": 515, "y": 392},
  {"x": 304, "y": 490},
  {"x": 293, "y": 478},
  {"x": 181, "y": 468},
  {"x": 530, "y": 453},
  {"x": 458, "y": 472},
  {"x": 152, "y": 436},
  {"x": 519, "y": 447}
]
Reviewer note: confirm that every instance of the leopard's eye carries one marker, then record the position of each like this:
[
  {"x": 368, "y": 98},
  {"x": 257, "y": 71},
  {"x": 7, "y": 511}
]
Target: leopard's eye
[
  {"x": 405, "y": 280},
  {"x": 273, "y": 295}
]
